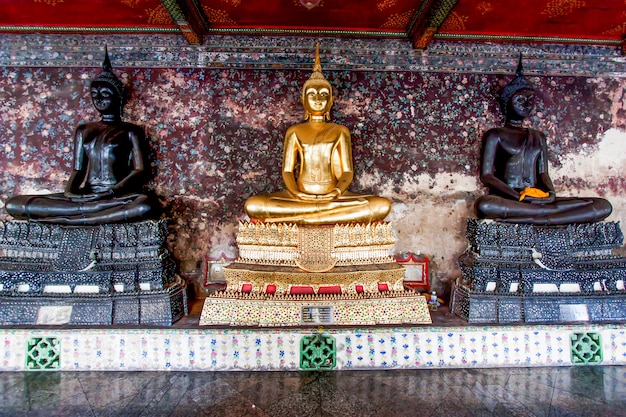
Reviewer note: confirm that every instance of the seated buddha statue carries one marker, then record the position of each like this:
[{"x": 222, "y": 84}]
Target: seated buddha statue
[
  {"x": 514, "y": 167},
  {"x": 108, "y": 174},
  {"x": 317, "y": 169}
]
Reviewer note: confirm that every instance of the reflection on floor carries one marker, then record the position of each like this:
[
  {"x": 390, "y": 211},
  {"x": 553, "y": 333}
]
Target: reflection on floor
[{"x": 555, "y": 391}]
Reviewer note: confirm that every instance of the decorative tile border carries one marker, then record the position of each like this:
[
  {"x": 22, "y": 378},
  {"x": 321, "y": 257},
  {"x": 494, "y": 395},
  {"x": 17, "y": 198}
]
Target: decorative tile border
[
  {"x": 586, "y": 348},
  {"x": 43, "y": 353},
  {"x": 272, "y": 52},
  {"x": 281, "y": 349},
  {"x": 318, "y": 352}
]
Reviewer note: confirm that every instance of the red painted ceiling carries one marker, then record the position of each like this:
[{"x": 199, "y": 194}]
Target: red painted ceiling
[
  {"x": 344, "y": 15},
  {"x": 85, "y": 13},
  {"x": 597, "y": 19},
  {"x": 566, "y": 20}
]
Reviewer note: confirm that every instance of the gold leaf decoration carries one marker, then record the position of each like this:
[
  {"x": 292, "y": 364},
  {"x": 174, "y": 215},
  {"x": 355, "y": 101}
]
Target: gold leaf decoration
[
  {"x": 385, "y": 4},
  {"x": 616, "y": 31},
  {"x": 425, "y": 39},
  {"x": 130, "y": 3},
  {"x": 235, "y": 3},
  {"x": 49, "y": 2},
  {"x": 398, "y": 21},
  {"x": 484, "y": 7},
  {"x": 159, "y": 16},
  {"x": 309, "y": 4},
  {"x": 556, "y": 8},
  {"x": 454, "y": 23},
  {"x": 218, "y": 16}
]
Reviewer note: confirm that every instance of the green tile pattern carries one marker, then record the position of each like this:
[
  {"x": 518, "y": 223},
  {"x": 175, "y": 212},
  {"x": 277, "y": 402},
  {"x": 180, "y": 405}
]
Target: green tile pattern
[
  {"x": 586, "y": 348},
  {"x": 318, "y": 352},
  {"x": 43, "y": 353}
]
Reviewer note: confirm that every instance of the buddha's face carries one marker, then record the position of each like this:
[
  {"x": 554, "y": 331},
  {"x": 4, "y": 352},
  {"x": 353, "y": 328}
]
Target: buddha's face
[
  {"x": 105, "y": 99},
  {"x": 317, "y": 99},
  {"x": 522, "y": 103}
]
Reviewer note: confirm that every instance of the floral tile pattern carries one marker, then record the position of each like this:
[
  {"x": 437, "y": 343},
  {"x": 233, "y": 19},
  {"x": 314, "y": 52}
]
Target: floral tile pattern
[{"x": 279, "y": 349}]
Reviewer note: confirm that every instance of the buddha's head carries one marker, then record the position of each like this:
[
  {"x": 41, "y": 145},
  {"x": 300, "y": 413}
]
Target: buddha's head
[
  {"x": 317, "y": 93},
  {"x": 518, "y": 95},
  {"x": 521, "y": 104},
  {"x": 107, "y": 91}
]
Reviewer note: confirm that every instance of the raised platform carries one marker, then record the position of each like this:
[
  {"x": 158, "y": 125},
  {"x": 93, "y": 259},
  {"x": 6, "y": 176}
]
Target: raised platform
[
  {"x": 351, "y": 279},
  {"x": 151, "y": 307},
  {"x": 541, "y": 274},
  {"x": 107, "y": 274},
  {"x": 293, "y": 275},
  {"x": 447, "y": 343},
  {"x": 490, "y": 307},
  {"x": 239, "y": 309}
]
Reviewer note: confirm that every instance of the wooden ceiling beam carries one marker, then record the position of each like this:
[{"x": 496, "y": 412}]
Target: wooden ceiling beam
[
  {"x": 189, "y": 17},
  {"x": 428, "y": 17}
]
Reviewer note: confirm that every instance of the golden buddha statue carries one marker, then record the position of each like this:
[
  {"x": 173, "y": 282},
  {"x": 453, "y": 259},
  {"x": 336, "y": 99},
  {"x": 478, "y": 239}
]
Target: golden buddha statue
[
  {"x": 315, "y": 244},
  {"x": 318, "y": 192}
]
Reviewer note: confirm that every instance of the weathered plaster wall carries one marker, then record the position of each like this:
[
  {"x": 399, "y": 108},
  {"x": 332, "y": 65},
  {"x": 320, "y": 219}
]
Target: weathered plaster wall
[{"x": 216, "y": 137}]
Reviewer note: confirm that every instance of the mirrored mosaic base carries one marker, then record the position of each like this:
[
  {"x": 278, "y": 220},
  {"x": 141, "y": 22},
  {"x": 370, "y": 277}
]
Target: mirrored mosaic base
[
  {"x": 159, "y": 307},
  {"x": 311, "y": 349},
  {"x": 484, "y": 307},
  {"x": 240, "y": 309}
]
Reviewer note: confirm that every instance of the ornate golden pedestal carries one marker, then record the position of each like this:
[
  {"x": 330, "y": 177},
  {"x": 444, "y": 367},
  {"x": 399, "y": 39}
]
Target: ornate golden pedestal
[{"x": 290, "y": 275}]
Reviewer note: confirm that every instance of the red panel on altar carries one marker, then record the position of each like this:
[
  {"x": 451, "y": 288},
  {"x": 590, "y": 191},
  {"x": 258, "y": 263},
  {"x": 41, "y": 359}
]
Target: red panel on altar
[{"x": 416, "y": 275}]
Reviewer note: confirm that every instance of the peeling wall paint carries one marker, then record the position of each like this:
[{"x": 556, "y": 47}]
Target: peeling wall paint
[{"x": 216, "y": 139}]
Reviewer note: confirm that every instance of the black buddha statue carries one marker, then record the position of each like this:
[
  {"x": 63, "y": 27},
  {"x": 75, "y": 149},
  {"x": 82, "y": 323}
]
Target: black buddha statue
[
  {"x": 109, "y": 169},
  {"x": 514, "y": 167}
]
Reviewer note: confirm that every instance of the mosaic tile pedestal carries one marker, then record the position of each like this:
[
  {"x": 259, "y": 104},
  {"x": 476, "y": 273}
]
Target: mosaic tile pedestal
[
  {"x": 536, "y": 274},
  {"x": 240, "y": 309},
  {"x": 155, "y": 307},
  {"x": 297, "y": 275},
  {"x": 88, "y": 275}
]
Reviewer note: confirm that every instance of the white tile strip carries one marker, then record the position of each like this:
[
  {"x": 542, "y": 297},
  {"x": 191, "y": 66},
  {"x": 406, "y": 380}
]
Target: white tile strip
[{"x": 279, "y": 349}]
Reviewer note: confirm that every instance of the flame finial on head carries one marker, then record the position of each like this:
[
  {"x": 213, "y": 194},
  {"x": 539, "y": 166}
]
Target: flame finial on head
[
  {"x": 519, "y": 72},
  {"x": 518, "y": 83},
  {"x": 107, "y": 75},
  {"x": 106, "y": 64},
  {"x": 317, "y": 66},
  {"x": 316, "y": 75}
]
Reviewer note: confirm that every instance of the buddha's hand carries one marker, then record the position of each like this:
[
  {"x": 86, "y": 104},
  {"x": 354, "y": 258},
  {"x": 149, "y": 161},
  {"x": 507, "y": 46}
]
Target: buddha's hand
[
  {"x": 536, "y": 196},
  {"x": 331, "y": 195},
  {"x": 89, "y": 196},
  {"x": 319, "y": 197}
]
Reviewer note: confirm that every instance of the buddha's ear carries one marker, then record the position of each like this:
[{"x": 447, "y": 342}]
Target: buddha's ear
[{"x": 330, "y": 105}]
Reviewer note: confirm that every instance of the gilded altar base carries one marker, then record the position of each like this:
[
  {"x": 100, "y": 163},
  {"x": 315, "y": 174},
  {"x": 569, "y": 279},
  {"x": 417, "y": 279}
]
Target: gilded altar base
[
  {"x": 282, "y": 280},
  {"x": 291, "y": 275},
  {"x": 267, "y": 310}
]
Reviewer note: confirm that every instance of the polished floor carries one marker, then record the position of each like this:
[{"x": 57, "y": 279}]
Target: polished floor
[{"x": 555, "y": 391}]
